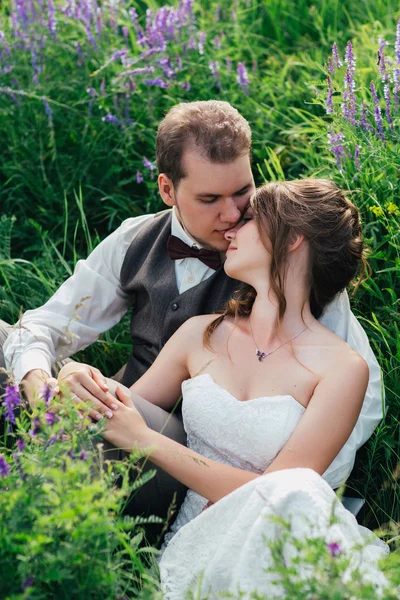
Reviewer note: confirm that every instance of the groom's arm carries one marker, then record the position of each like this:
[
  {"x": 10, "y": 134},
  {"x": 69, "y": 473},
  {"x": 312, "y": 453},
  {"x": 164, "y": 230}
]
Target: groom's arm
[
  {"x": 339, "y": 319},
  {"x": 87, "y": 304}
]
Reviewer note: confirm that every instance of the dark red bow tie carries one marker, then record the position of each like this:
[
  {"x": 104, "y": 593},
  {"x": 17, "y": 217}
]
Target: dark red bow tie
[{"x": 178, "y": 249}]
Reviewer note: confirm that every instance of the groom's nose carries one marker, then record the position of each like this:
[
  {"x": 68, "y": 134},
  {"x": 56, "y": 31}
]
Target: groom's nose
[{"x": 230, "y": 212}]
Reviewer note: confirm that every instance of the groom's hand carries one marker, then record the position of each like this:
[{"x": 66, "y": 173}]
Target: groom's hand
[{"x": 88, "y": 384}]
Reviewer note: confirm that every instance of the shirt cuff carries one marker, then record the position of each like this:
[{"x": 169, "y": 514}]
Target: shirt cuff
[{"x": 28, "y": 362}]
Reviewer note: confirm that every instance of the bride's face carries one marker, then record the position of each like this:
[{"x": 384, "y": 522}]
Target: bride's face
[{"x": 247, "y": 258}]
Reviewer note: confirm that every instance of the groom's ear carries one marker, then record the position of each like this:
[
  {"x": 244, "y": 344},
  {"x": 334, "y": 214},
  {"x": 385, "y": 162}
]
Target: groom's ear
[
  {"x": 166, "y": 188},
  {"x": 296, "y": 240}
]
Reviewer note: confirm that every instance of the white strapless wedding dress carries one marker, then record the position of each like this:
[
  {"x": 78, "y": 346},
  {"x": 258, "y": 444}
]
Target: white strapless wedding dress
[{"x": 223, "y": 548}]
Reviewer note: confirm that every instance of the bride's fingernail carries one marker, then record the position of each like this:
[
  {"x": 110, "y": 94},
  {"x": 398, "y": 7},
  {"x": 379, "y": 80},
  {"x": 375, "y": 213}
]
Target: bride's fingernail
[
  {"x": 114, "y": 406},
  {"x": 108, "y": 414},
  {"x": 98, "y": 416}
]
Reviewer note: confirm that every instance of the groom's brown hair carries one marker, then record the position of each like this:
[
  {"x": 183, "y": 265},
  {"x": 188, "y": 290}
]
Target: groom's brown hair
[{"x": 212, "y": 127}]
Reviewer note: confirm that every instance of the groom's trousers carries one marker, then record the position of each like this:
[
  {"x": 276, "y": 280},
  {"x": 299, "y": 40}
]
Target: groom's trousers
[{"x": 158, "y": 494}]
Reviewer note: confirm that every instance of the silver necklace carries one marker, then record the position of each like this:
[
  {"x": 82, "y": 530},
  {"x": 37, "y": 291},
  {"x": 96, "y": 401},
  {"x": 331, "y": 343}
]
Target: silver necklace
[{"x": 261, "y": 355}]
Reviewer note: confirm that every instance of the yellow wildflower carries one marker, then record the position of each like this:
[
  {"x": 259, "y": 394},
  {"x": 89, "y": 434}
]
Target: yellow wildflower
[
  {"x": 377, "y": 210},
  {"x": 392, "y": 209}
]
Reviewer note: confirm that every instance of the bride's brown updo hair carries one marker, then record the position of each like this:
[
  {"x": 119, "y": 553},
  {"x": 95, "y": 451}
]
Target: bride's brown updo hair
[{"x": 319, "y": 210}]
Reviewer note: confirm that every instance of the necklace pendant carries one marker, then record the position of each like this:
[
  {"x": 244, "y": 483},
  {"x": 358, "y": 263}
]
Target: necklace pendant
[{"x": 261, "y": 355}]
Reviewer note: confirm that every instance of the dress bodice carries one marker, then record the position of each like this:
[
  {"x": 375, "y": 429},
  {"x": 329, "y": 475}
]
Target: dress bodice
[{"x": 247, "y": 435}]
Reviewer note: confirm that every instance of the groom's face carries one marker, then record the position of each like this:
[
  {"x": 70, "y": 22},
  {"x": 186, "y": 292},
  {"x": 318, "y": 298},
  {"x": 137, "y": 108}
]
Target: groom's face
[{"x": 211, "y": 198}]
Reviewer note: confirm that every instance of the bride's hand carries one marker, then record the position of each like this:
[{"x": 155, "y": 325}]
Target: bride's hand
[{"x": 127, "y": 426}]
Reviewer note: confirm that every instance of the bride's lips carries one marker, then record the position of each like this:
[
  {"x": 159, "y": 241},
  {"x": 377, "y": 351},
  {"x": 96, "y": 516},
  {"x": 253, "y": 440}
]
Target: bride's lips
[{"x": 230, "y": 248}]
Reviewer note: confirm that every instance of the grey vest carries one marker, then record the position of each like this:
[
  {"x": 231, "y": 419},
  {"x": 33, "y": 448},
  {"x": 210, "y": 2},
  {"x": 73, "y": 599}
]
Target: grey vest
[{"x": 148, "y": 275}]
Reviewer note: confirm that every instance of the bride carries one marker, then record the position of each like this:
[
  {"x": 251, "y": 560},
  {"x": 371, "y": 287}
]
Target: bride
[{"x": 270, "y": 397}]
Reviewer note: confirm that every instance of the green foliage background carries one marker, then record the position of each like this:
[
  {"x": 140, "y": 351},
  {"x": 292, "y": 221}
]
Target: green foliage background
[{"x": 69, "y": 180}]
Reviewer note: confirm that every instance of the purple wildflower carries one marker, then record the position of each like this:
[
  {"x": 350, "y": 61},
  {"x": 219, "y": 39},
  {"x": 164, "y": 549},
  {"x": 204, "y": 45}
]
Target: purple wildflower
[
  {"x": 229, "y": 64},
  {"x": 186, "y": 86},
  {"x": 91, "y": 91},
  {"x": 71, "y": 455},
  {"x": 36, "y": 426},
  {"x": 17, "y": 462},
  {"x": 242, "y": 77},
  {"x": 47, "y": 393},
  {"x": 50, "y": 418},
  {"x": 110, "y": 118},
  {"x": 336, "y": 62},
  {"x": 149, "y": 165},
  {"x": 27, "y": 583},
  {"x": 47, "y": 108},
  {"x": 11, "y": 400},
  {"x": 386, "y": 93},
  {"x": 397, "y": 43},
  {"x": 192, "y": 43},
  {"x": 51, "y": 23},
  {"x": 336, "y": 146},
  {"x": 233, "y": 15},
  {"x": 139, "y": 177},
  {"x": 83, "y": 455},
  {"x": 202, "y": 41},
  {"x": 363, "y": 118},
  {"x": 21, "y": 445},
  {"x": 125, "y": 31},
  {"x": 373, "y": 91},
  {"x": 382, "y": 60},
  {"x": 217, "y": 42},
  {"x": 349, "y": 100},
  {"x": 118, "y": 55},
  {"x": 214, "y": 66},
  {"x": 218, "y": 12},
  {"x": 4, "y": 467},
  {"x": 334, "y": 549},
  {"x": 357, "y": 157},
  {"x": 103, "y": 87},
  {"x": 329, "y": 105}
]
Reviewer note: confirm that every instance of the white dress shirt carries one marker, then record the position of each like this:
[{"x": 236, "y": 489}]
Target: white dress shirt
[{"x": 91, "y": 302}]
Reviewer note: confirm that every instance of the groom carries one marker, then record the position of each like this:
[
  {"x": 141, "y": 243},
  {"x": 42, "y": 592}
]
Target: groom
[{"x": 168, "y": 268}]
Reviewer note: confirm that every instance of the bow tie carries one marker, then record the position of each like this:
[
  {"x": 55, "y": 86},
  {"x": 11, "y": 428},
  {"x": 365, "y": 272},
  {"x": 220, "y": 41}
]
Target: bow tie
[{"x": 178, "y": 249}]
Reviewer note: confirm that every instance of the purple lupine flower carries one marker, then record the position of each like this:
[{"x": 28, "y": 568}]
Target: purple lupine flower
[
  {"x": 386, "y": 93},
  {"x": 4, "y": 467},
  {"x": 349, "y": 100},
  {"x": 334, "y": 549},
  {"x": 27, "y": 583},
  {"x": 21, "y": 445},
  {"x": 83, "y": 455},
  {"x": 217, "y": 42},
  {"x": 47, "y": 393},
  {"x": 50, "y": 418},
  {"x": 363, "y": 118},
  {"x": 382, "y": 60},
  {"x": 110, "y": 118},
  {"x": 214, "y": 66},
  {"x": 118, "y": 55},
  {"x": 192, "y": 43},
  {"x": 218, "y": 12},
  {"x": 51, "y": 22},
  {"x": 139, "y": 177},
  {"x": 11, "y": 400},
  {"x": 336, "y": 62},
  {"x": 329, "y": 105},
  {"x": 36, "y": 427},
  {"x": 102, "y": 87},
  {"x": 178, "y": 61},
  {"x": 229, "y": 64},
  {"x": 202, "y": 41},
  {"x": 157, "y": 82},
  {"x": 357, "y": 157},
  {"x": 336, "y": 146},
  {"x": 373, "y": 91},
  {"x": 71, "y": 455},
  {"x": 397, "y": 43},
  {"x": 185, "y": 86},
  {"x": 17, "y": 462},
  {"x": 92, "y": 92},
  {"x": 149, "y": 165},
  {"x": 138, "y": 71},
  {"x": 125, "y": 31},
  {"x": 242, "y": 77}
]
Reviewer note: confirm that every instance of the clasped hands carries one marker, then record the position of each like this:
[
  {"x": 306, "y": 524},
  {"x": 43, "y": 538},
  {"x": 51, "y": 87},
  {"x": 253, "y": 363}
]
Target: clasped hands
[{"x": 124, "y": 424}]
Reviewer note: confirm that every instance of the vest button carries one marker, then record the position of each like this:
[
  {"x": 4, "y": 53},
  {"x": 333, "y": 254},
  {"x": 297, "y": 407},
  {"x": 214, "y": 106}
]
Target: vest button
[{"x": 174, "y": 306}]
